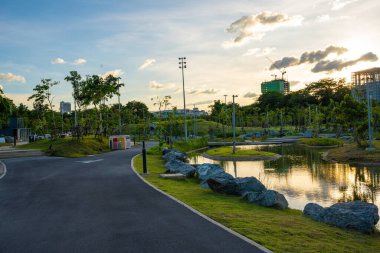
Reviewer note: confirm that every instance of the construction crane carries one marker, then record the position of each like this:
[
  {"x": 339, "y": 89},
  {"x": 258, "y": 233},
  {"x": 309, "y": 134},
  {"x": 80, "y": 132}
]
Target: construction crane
[{"x": 283, "y": 72}]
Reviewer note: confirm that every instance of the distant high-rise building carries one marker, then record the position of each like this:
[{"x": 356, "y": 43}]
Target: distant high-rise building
[
  {"x": 278, "y": 85},
  {"x": 65, "y": 107},
  {"x": 366, "y": 83}
]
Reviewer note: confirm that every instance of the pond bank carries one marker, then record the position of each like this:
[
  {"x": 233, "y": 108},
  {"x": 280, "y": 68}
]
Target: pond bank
[{"x": 350, "y": 153}]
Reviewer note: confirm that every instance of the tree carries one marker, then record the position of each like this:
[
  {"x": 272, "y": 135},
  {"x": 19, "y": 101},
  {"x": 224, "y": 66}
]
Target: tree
[
  {"x": 75, "y": 80},
  {"x": 138, "y": 108},
  {"x": 352, "y": 114},
  {"x": 43, "y": 98}
]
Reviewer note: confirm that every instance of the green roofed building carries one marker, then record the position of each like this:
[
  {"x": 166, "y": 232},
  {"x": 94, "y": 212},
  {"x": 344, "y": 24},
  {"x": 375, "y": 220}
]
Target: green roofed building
[{"x": 278, "y": 85}]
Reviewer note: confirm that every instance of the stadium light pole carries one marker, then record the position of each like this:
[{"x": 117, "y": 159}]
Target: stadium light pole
[
  {"x": 182, "y": 66},
  {"x": 233, "y": 123}
]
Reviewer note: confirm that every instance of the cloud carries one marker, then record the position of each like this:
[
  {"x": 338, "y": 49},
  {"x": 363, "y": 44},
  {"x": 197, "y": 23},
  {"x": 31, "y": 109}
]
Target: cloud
[
  {"x": 79, "y": 61},
  {"x": 316, "y": 56},
  {"x": 284, "y": 63},
  {"x": 323, "y": 18},
  {"x": 308, "y": 57},
  {"x": 1, "y": 88},
  {"x": 206, "y": 102},
  {"x": 58, "y": 61},
  {"x": 160, "y": 86},
  {"x": 147, "y": 63},
  {"x": 115, "y": 73},
  {"x": 339, "y": 4},
  {"x": 337, "y": 65},
  {"x": 255, "y": 26},
  {"x": 10, "y": 77},
  {"x": 209, "y": 91},
  {"x": 258, "y": 52},
  {"x": 250, "y": 95}
]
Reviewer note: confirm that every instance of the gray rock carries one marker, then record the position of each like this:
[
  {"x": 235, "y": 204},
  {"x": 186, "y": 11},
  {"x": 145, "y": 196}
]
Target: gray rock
[
  {"x": 356, "y": 215},
  {"x": 223, "y": 183},
  {"x": 252, "y": 197},
  {"x": 249, "y": 184},
  {"x": 177, "y": 166},
  {"x": 314, "y": 211},
  {"x": 174, "y": 155},
  {"x": 269, "y": 198},
  {"x": 206, "y": 171}
]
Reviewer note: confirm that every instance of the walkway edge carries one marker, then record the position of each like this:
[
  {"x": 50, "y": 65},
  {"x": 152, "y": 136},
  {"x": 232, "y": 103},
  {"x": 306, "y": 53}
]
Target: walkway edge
[
  {"x": 3, "y": 169},
  {"x": 246, "y": 239}
]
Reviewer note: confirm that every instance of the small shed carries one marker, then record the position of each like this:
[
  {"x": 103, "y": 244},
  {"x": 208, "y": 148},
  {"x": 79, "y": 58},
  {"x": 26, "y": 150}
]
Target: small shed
[{"x": 119, "y": 142}]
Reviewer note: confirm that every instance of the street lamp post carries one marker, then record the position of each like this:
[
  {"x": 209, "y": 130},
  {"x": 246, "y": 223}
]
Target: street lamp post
[
  {"x": 182, "y": 66},
  {"x": 119, "y": 112},
  {"x": 233, "y": 123},
  {"x": 223, "y": 122}
]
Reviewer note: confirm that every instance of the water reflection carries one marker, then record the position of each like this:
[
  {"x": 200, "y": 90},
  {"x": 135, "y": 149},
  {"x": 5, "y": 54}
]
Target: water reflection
[{"x": 303, "y": 177}]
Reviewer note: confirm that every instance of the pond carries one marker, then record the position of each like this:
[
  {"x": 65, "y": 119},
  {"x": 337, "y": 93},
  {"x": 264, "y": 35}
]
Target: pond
[{"x": 303, "y": 177}]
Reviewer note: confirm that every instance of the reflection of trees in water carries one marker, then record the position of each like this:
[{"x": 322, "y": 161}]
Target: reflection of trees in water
[{"x": 355, "y": 183}]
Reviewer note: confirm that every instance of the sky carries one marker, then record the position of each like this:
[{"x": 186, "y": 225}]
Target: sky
[{"x": 230, "y": 46}]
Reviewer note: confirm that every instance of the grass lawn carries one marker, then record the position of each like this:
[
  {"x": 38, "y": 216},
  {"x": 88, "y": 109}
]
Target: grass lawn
[
  {"x": 321, "y": 141},
  {"x": 227, "y": 152},
  {"x": 6, "y": 144},
  {"x": 352, "y": 153},
  {"x": 68, "y": 147},
  {"x": 279, "y": 231}
]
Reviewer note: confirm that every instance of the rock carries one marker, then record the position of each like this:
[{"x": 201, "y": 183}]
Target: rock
[
  {"x": 314, "y": 211},
  {"x": 249, "y": 184},
  {"x": 223, "y": 183},
  {"x": 174, "y": 155},
  {"x": 177, "y": 166},
  {"x": 176, "y": 176},
  {"x": 269, "y": 198},
  {"x": 206, "y": 171},
  {"x": 166, "y": 150},
  {"x": 356, "y": 215},
  {"x": 252, "y": 197}
]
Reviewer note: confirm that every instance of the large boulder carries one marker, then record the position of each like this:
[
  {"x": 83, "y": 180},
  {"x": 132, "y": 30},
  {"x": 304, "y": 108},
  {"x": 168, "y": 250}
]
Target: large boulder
[
  {"x": 223, "y": 183},
  {"x": 268, "y": 198},
  {"x": 314, "y": 211},
  {"x": 206, "y": 171},
  {"x": 249, "y": 184},
  {"x": 356, "y": 215},
  {"x": 177, "y": 166},
  {"x": 174, "y": 154}
]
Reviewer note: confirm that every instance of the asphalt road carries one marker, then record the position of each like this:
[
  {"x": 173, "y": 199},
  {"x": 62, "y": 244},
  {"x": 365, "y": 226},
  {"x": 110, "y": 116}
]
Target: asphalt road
[{"x": 97, "y": 204}]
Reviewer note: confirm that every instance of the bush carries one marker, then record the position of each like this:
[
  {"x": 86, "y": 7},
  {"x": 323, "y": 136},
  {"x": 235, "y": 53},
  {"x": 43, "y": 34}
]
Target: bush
[
  {"x": 190, "y": 144},
  {"x": 322, "y": 141}
]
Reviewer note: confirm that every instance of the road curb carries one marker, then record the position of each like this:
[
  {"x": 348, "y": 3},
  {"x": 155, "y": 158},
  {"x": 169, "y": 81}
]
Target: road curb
[
  {"x": 246, "y": 239},
  {"x": 3, "y": 169}
]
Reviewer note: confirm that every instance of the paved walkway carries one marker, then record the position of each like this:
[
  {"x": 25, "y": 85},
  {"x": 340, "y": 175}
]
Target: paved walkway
[{"x": 97, "y": 204}]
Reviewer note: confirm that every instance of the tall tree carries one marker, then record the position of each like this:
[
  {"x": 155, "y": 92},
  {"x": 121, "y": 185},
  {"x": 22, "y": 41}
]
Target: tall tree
[
  {"x": 75, "y": 79},
  {"x": 43, "y": 97}
]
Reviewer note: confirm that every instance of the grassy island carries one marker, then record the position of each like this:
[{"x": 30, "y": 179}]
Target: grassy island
[
  {"x": 351, "y": 153},
  {"x": 278, "y": 230},
  {"x": 227, "y": 152},
  {"x": 321, "y": 142}
]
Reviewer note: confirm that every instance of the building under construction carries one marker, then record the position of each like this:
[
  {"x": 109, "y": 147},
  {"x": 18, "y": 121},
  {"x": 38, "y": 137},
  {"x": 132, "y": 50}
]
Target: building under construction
[
  {"x": 278, "y": 85},
  {"x": 366, "y": 83}
]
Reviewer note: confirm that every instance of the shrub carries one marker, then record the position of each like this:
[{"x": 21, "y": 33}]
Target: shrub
[{"x": 321, "y": 141}]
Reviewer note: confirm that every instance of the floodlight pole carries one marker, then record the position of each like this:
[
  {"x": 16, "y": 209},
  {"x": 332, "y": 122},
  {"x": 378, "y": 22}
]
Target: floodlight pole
[
  {"x": 119, "y": 109},
  {"x": 182, "y": 66},
  {"x": 233, "y": 124}
]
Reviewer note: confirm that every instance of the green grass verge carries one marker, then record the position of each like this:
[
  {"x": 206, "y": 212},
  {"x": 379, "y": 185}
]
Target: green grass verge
[
  {"x": 227, "y": 152},
  {"x": 279, "y": 231},
  {"x": 321, "y": 141},
  {"x": 68, "y": 147},
  {"x": 6, "y": 144}
]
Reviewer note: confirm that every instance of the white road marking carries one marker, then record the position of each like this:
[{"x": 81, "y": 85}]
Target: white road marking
[
  {"x": 90, "y": 161},
  {"x": 5, "y": 169}
]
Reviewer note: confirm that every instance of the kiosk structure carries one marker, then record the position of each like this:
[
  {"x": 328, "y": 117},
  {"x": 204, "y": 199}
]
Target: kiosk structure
[{"x": 119, "y": 142}]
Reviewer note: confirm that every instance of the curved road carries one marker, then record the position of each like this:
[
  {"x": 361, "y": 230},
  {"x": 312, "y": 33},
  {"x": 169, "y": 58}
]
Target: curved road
[{"x": 97, "y": 204}]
